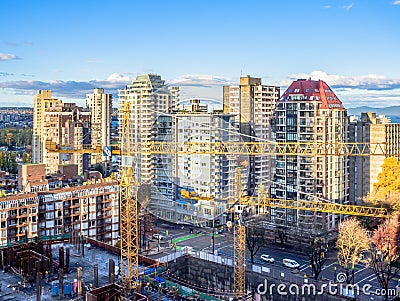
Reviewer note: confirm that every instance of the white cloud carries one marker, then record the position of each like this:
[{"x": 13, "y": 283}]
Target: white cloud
[
  {"x": 201, "y": 80},
  {"x": 348, "y": 7},
  {"x": 115, "y": 77},
  {"x": 370, "y": 81},
  {"x": 354, "y": 91},
  {"x": 355, "y": 97},
  {"x": 7, "y": 57},
  {"x": 65, "y": 89},
  {"x": 396, "y": 2},
  {"x": 328, "y": 6},
  {"x": 372, "y": 89}
]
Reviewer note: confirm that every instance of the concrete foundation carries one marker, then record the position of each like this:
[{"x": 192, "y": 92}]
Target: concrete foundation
[{"x": 217, "y": 279}]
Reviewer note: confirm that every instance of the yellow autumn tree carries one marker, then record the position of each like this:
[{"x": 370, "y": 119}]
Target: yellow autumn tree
[{"x": 386, "y": 191}]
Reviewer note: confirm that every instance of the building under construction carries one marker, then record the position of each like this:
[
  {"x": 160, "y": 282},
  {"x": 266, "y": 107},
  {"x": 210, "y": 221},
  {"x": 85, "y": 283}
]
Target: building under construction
[{"x": 53, "y": 208}]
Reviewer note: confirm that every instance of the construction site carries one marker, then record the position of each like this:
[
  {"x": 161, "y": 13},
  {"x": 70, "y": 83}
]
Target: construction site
[
  {"x": 88, "y": 267},
  {"x": 72, "y": 238}
]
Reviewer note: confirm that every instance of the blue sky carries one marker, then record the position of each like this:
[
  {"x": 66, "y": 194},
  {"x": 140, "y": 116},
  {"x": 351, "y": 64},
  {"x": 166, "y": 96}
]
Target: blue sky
[{"x": 73, "y": 46}]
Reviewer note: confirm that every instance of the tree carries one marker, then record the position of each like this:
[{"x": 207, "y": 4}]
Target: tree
[
  {"x": 144, "y": 195},
  {"x": 100, "y": 168},
  {"x": 280, "y": 233},
  {"x": 387, "y": 190},
  {"x": 318, "y": 249},
  {"x": 351, "y": 242},
  {"x": 385, "y": 251},
  {"x": 8, "y": 162},
  {"x": 254, "y": 240}
]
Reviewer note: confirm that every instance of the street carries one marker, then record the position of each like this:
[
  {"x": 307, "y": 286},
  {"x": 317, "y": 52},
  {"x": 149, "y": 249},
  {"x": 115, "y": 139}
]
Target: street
[{"x": 224, "y": 246}]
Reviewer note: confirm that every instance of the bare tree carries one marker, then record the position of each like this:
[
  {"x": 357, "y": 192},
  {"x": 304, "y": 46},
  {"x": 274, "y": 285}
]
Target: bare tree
[
  {"x": 385, "y": 251},
  {"x": 281, "y": 234},
  {"x": 317, "y": 255},
  {"x": 254, "y": 240},
  {"x": 351, "y": 242}
]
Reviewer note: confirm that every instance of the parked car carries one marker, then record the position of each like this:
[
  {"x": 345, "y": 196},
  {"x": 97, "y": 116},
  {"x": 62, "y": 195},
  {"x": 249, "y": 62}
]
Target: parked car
[
  {"x": 290, "y": 263},
  {"x": 158, "y": 236},
  {"x": 267, "y": 258}
]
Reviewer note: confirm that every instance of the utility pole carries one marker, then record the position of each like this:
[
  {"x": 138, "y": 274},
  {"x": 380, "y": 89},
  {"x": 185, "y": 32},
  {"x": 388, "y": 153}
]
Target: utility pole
[{"x": 213, "y": 230}]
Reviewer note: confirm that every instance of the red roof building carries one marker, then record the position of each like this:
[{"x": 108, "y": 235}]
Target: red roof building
[
  {"x": 313, "y": 90},
  {"x": 310, "y": 112}
]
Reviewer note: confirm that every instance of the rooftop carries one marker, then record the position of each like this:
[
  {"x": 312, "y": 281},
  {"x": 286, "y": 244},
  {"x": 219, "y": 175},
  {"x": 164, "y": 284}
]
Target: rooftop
[{"x": 312, "y": 90}]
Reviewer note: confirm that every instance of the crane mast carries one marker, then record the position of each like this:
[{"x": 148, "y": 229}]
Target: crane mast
[
  {"x": 239, "y": 248},
  {"x": 128, "y": 208}
]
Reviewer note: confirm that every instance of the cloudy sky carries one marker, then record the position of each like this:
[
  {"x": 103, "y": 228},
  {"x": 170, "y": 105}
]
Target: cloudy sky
[{"x": 72, "y": 46}]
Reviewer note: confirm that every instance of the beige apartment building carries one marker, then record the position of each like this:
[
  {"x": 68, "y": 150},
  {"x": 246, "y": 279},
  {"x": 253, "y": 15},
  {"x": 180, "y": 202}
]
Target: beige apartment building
[
  {"x": 43, "y": 100},
  {"x": 68, "y": 125},
  {"x": 365, "y": 170},
  {"x": 100, "y": 105},
  {"x": 253, "y": 105}
]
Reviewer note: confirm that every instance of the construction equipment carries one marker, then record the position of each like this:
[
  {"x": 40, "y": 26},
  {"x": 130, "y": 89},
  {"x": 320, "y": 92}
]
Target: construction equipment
[
  {"x": 53, "y": 147},
  {"x": 128, "y": 200},
  {"x": 239, "y": 247},
  {"x": 194, "y": 196},
  {"x": 314, "y": 206},
  {"x": 245, "y": 148},
  {"x": 129, "y": 261}
]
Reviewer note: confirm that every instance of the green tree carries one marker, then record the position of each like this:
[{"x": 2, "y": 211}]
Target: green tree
[
  {"x": 8, "y": 162},
  {"x": 20, "y": 137},
  {"x": 100, "y": 168}
]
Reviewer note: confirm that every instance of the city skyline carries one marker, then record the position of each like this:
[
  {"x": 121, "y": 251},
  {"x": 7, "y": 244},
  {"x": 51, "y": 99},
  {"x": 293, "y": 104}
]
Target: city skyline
[{"x": 73, "y": 47}]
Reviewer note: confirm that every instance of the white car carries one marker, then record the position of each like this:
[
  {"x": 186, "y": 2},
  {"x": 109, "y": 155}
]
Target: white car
[
  {"x": 293, "y": 264},
  {"x": 267, "y": 258},
  {"x": 158, "y": 236}
]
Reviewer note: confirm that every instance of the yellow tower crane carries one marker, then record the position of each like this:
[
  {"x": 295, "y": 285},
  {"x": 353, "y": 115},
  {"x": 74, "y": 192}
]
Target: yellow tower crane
[
  {"x": 239, "y": 248},
  {"x": 128, "y": 187},
  {"x": 129, "y": 262}
]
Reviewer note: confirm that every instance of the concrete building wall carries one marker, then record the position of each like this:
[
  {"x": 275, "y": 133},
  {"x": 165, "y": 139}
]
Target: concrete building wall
[
  {"x": 207, "y": 175},
  {"x": 100, "y": 105},
  {"x": 253, "y": 105},
  {"x": 67, "y": 125},
  {"x": 30, "y": 173},
  {"x": 365, "y": 170},
  {"x": 149, "y": 97},
  {"x": 18, "y": 217},
  {"x": 42, "y": 101},
  {"x": 91, "y": 210},
  {"x": 310, "y": 112}
]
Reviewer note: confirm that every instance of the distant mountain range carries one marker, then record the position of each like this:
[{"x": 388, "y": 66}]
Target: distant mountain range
[{"x": 389, "y": 111}]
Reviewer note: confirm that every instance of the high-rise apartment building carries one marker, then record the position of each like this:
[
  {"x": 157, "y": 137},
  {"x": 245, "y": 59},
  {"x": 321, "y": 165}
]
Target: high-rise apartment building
[
  {"x": 210, "y": 177},
  {"x": 100, "y": 105},
  {"x": 149, "y": 97},
  {"x": 309, "y": 111},
  {"x": 253, "y": 105},
  {"x": 66, "y": 124},
  {"x": 364, "y": 170},
  {"x": 43, "y": 100}
]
